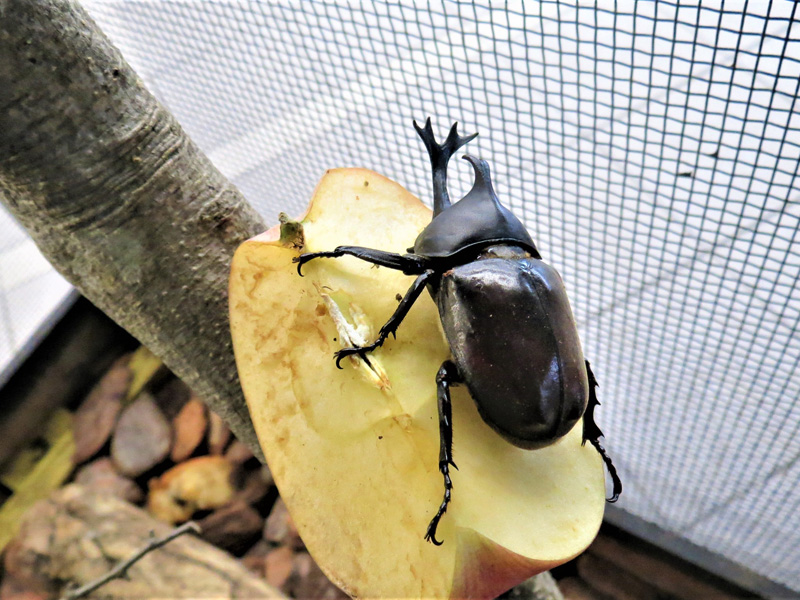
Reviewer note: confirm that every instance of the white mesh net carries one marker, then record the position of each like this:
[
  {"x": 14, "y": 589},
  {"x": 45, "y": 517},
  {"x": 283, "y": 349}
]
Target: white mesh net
[{"x": 653, "y": 153}]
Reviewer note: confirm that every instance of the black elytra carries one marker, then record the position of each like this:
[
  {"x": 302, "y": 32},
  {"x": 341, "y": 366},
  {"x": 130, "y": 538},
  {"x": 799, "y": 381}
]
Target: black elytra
[{"x": 504, "y": 311}]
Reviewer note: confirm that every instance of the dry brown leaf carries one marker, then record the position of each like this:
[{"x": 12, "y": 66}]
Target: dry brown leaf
[
  {"x": 238, "y": 453},
  {"x": 189, "y": 427},
  {"x": 279, "y": 528},
  {"x": 309, "y": 582},
  {"x": 254, "y": 558},
  {"x": 218, "y": 434},
  {"x": 141, "y": 438},
  {"x": 234, "y": 527},
  {"x": 254, "y": 487},
  {"x": 202, "y": 483},
  {"x": 278, "y": 566},
  {"x": 95, "y": 418},
  {"x": 101, "y": 476}
]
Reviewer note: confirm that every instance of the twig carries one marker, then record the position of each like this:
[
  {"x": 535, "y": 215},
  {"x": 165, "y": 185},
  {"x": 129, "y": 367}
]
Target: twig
[{"x": 121, "y": 569}]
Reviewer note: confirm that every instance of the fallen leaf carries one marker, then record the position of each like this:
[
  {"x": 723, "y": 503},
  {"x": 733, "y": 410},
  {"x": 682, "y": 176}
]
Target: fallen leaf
[
  {"x": 96, "y": 416},
  {"x": 278, "y": 566},
  {"x": 202, "y": 483},
  {"x": 309, "y": 582},
  {"x": 254, "y": 486},
  {"x": 48, "y": 474},
  {"x": 238, "y": 453},
  {"x": 189, "y": 427},
  {"x": 279, "y": 529},
  {"x": 255, "y": 558},
  {"x": 145, "y": 367},
  {"x": 233, "y": 527},
  {"x": 218, "y": 434}
]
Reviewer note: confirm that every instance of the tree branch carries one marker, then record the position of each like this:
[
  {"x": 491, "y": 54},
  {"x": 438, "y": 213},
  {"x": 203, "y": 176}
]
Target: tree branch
[
  {"x": 118, "y": 198},
  {"x": 120, "y": 570}
]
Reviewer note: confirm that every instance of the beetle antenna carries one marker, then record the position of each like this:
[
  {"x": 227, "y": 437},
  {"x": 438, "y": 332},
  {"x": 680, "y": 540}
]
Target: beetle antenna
[{"x": 440, "y": 155}]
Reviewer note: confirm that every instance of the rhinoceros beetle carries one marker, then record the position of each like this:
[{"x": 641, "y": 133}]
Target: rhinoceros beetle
[{"x": 504, "y": 311}]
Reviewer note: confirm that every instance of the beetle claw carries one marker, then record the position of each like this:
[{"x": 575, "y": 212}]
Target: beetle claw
[
  {"x": 297, "y": 260},
  {"x": 430, "y": 536},
  {"x": 340, "y": 354},
  {"x": 345, "y": 352}
]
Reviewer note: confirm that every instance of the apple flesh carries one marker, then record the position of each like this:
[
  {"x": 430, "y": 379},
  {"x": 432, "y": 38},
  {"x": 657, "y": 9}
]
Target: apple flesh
[{"x": 355, "y": 451}]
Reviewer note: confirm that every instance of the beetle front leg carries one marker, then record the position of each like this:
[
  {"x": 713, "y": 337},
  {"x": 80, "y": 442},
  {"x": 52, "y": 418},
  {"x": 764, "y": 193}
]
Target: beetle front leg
[
  {"x": 448, "y": 374},
  {"x": 394, "y": 321},
  {"x": 592, "y": 434},
  {"x": 409, "y": 265}
]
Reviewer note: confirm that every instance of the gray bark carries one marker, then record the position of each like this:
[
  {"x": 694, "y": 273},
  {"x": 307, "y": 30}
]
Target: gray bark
[
  {"x": 118, "y": 198},
  {"x": 123, "y": 203}
]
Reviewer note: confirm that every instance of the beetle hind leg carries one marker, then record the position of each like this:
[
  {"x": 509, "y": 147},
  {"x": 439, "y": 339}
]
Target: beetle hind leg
[
  {"x": 592, "y": 434},
  {"x": 448, "y": 374}
]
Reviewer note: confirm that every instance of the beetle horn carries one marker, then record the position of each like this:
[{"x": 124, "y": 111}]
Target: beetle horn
[
  {"x": 483, "y": 179},
  {"x": 440, "y": 155}
]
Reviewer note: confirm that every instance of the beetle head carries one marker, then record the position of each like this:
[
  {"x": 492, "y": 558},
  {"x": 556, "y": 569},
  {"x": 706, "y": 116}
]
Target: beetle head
[{"x": 474, "y": 222}]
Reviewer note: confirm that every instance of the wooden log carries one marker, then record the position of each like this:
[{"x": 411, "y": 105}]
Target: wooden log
[
  {"x": 574, "y": 588},
  {"x": 75, "y": 536},
  {"x": 118, "y": 198},
  {"x": 80, "y": 349},
  {"x": 665, "y": 576},
  {"x": 611, "y": 581}
]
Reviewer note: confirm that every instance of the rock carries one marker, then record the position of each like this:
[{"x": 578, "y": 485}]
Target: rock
[
  {"x": 76, "y": 536},
  {"x": 141, "y": 438},
  {"x": 100, "y": 476}
]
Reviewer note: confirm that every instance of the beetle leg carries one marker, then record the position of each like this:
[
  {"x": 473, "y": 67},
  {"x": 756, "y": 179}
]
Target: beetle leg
[
  {"x": 410, "y": 265},
  {"x": 592, "y": 434},
  {"x": 448, "y": 374},
  {"x": 394, "y": 321}
]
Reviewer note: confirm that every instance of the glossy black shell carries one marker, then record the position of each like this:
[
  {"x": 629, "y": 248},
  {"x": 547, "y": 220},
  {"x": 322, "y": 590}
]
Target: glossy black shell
[
  {"x": 515, "y": 342},
  {"x": 474, "y": 222}
]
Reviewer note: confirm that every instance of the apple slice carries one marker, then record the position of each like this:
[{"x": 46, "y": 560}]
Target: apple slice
[{"x": 355, "y": 451}]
